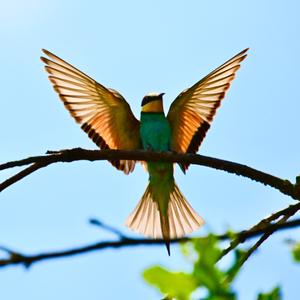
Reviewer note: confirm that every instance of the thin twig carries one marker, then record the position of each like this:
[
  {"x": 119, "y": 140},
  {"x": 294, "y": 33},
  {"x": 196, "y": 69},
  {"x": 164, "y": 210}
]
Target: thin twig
[
  {"x": 262, "y": 225},
  {"x": 284, "y": 215},
  {"x": 27, "y": 171},
  {"x": 262, "y": 239},
  {"x": 28, "y": 260},
  {"x": 284, "y": 186},
  {"x": 108, "y": 228}
]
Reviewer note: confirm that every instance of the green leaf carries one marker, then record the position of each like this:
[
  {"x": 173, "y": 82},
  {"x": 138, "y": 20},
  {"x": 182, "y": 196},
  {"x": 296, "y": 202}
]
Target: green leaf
[
  {"x": 235, "y": 267},
  {"x": 209, "y": 243},
  {"x": 221, "y": 297},
  {"x": 231, "y": 234},
  {"x": 177, "y": 285},
  {"x": 205, "y": 270},
  {"x": 296, "y": 252},
  {"x": 275, "y": 294},
  {"x": 207, "y": 273},
  {"x": 188, "y": 251}
]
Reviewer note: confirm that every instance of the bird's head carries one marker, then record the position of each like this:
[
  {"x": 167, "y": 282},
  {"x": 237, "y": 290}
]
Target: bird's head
[{"x": 153, "y": 102}]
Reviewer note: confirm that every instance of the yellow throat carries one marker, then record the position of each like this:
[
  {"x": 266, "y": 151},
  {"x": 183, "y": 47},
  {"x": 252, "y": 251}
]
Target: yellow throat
[{"x": 153, "y": 106}]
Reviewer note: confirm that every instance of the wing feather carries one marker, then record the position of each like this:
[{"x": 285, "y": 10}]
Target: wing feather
[
  {"x": 102, "y": 112},
  {"x": 192, "y": 112}
]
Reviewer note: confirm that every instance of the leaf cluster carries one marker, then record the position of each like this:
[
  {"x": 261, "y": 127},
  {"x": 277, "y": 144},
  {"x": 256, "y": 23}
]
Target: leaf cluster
[{"x": 207, "y": 280}]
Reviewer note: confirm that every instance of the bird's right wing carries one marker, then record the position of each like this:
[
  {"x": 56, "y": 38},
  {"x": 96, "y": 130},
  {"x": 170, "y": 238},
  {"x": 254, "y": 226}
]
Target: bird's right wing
[{"x": 102, "y": 113}]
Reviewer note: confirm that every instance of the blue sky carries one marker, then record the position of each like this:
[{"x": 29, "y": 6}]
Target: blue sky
[{"x": 137, "y": 47}]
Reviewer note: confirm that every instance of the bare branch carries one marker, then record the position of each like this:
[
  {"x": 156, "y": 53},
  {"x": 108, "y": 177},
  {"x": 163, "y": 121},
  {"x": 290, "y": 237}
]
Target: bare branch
[
  {"x": 265, "y": 227},
  {"x": 284, "y": 186},
  {"x": 27, "y": 171},
  {"x": 262, "y": 225},
  {"x": 109, "y": 228},
  {"x": 263, "y": 238},
  {"x": 268, "y": 230},
  {"x": 16, "y": 258}
]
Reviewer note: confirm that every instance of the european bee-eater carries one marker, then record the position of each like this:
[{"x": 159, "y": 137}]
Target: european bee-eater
[{"x": 163, "y": 211}]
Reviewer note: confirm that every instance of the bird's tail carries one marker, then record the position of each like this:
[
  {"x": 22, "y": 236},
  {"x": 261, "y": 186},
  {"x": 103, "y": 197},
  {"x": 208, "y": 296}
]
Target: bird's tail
[{"x": 149, "y": 220}]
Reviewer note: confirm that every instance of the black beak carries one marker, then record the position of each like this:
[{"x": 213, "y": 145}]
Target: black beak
[{"x": 161, "y": 94}]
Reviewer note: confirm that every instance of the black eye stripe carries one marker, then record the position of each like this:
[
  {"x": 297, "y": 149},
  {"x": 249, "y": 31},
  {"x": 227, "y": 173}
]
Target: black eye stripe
[{"x": 148, "y": 99}]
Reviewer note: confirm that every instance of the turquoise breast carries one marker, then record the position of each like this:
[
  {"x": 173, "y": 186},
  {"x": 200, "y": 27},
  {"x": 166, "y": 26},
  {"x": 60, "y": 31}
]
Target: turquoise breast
[{"x": 155, "y": 131}]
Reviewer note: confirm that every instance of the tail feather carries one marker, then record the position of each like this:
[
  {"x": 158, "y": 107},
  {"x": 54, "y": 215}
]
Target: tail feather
[
  {"x": 165, "y": 228},
  {"x": 145, "y": 218},
  {"x": 180, "y": 219}
]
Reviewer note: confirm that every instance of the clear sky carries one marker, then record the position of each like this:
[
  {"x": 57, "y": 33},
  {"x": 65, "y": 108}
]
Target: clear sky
[{"x": 137, "y": 47}]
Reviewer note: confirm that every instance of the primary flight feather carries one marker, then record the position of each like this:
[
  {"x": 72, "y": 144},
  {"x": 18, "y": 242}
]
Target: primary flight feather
[{"x": 163, "y": 212}]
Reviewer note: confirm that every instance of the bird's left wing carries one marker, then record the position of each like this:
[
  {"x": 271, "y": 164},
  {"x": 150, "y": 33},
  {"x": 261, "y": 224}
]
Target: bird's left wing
[
  {"x": 192, "y": 112},
  {"x": 102, "y": 113}
]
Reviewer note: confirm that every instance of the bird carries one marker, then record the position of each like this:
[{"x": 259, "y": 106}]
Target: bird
[{"x": 103, "y": 113}]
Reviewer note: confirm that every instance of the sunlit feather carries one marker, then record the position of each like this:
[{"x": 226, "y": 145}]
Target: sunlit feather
[
  {"x": 102, "y": 113},
  {"x": 192, "y": 112}
]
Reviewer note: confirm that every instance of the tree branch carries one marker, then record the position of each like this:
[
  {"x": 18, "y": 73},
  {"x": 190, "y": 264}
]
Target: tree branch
[
  {"x": 268, "y": 228},
  {"x": 108, "y": 228},
  {"x": 27, "y": 171},
  {"x": 262, "y": 226},
  {"x": 248, "y": 253},
  {"x": 16, "y": 258},
  {"x": 284, "y": 186}
]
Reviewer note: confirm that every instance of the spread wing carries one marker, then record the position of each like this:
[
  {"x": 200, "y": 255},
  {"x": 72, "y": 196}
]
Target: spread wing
[
  {"x": 192, "y": 112},
  {"x": 102, "y": 113}
]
